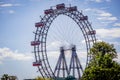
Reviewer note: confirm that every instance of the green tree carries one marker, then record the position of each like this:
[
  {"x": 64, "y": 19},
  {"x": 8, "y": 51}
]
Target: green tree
[
  {"x": 102, "y": 66},
  {"x": 40, "y": 78},
  {"x": 102, "y": 48},
  {"x": 5, "y": 77}
]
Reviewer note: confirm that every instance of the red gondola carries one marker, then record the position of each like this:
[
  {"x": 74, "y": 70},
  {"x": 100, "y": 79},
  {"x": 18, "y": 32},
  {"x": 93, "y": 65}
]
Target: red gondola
[
  {"x": 72, "y": 8},
  {"x": 49, "y": 11},
  {"x": 34, "y": 43},
  {"x": 37, "y": 63},
  {"x": 60, "y": 6},
  {"x": 39, "y": 24}
]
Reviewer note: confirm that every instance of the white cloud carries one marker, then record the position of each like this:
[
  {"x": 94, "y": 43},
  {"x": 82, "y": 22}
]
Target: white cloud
[
  {"x": 7, "y": 11},
  {"x": 14, "y": 55},
  {"x": 96, "y": 11},
  {"x": 99, "y": 1},
  {"x": 101, "y": 14},
  {"x": 105, "y": 14},
  {"x": 6, "y": 5},
  {"x": 53, "y": 54},
  {"x": 83, "y": 41},
  {"x": 118, "y": 58},
  {"x": 9, "y": 5},
  {"x": 99, "y": 40},
  {"x": 116, "y": 24},
  {"x": 55, "y": 45},
  {"x": 107, "y": 18},
  {"x": 111, "y": 33},
  {"x": 104, "y": 18}
]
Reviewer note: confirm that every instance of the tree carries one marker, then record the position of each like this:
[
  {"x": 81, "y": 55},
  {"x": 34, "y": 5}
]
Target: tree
[
  {"x": 40, "y": 78},
  {"x": 13, "y": 78},
  {"x": 103, "y": 48},
  {"x": 5, "y": 77},
  {"x": 102, "y": 66}
]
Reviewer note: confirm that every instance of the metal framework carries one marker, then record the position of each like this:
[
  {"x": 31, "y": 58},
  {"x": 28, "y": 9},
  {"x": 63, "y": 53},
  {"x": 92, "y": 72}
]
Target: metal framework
[
  {"x": 61, "y": 65},
  {"x": 75, "y": 64},
  {"x": 41, "y": 33}
]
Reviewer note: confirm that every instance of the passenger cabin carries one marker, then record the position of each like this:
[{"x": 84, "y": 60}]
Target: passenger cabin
[
  {"x": 91, "y": 32},
  {"x": 84, "y": 18},
  {"x": 72, "y": 8},
  {"x": 49, "y": 11},
  {"x": 38, "y": 63},
  {"x": 39, "y": 24},
  {"x": 34, "y": 43},
  {"x": 60, "y": 6}
]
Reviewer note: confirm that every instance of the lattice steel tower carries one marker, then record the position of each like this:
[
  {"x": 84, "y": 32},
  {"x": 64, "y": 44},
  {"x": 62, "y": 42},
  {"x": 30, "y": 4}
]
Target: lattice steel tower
[
  {"x": 75, "y": 64},
  {"x": 61, "y": 65}
]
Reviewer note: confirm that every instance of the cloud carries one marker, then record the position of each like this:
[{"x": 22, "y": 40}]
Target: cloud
[
  {"x": 8, "y": 5},
  {"x": 7, "y": 11},
  {"x": 116, "y": 24},
  {"x": 107, "y": 18},
  {"x": 55, "y": 45},
  {"x": 112, "y": 32},
  {"x": 99, "y": 1},
  {"x": 118, "y": 58},
  {"x": 104, "y": 18},
  {"x": 105, "y": 14},
  {"x": 83, "y": 41},
  {"x": 6, "y": 53},
  {"x": 101, "y": 14}
]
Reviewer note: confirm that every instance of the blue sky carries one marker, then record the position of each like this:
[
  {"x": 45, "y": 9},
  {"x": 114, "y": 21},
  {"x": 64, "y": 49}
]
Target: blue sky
[{"x": 17, "y": 19}]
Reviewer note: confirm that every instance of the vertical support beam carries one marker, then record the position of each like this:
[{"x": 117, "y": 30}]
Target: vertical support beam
[
  {"x": 61, "y": 65},
  {"x": 75, "y": 65}
]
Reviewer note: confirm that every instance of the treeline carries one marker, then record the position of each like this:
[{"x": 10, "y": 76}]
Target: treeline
[{"x": 8, "y": 77}]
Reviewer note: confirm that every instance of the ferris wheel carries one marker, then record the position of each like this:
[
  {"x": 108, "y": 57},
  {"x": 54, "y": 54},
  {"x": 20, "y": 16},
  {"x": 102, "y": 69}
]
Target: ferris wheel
[{"x": 64, "y": 39}]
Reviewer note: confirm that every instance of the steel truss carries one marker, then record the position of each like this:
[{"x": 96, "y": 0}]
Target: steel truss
[
  {"x": 75, "y": 64},
  {"x": 42, "y": 32},
  {"x": 61, "y": 65}
]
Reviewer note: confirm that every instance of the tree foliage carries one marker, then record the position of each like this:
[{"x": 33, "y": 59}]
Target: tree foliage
[
  {"x": 102, "y": 66},
  {"x": 7, "y": 77},
  {"x": 103, "y": 48},
  {"x": 40, "y": 78}
]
